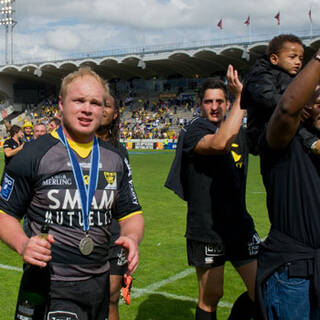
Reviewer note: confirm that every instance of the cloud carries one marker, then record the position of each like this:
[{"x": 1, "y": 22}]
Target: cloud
[
  {"x": 66, "y": 27},
  {"x": 63, "y": 39}
]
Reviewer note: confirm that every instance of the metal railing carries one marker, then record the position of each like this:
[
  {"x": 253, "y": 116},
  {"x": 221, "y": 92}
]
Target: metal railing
[{"x": 162, "y": 48}]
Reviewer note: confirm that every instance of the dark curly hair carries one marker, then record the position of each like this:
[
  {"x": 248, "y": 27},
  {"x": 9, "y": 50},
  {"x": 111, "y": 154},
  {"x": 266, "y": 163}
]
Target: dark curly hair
[
  {"x": 212, "y": 84},
  {"x": 276, "y": 44},
  {"x": 112, "y": 130},
  {"x": 14, "y": 130}
]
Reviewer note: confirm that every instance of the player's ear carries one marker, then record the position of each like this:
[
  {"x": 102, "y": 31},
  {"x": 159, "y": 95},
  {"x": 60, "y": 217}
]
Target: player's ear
[
  {"x": 60, "y": 104},
  {"x": 274, "y": 59},
  {"x": 228, "y": 105}
]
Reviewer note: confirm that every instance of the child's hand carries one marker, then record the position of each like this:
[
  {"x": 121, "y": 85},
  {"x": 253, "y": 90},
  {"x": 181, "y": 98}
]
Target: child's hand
[{"x": 234, "y": 84}]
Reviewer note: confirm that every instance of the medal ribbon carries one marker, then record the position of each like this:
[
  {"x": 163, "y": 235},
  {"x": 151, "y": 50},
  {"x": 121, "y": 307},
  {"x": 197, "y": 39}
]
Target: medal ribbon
[{"x": 86, "y": 194}]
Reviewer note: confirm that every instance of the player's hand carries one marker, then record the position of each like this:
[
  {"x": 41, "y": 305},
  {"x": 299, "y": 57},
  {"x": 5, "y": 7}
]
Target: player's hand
[
  {"x": 234, "y": 84},
  {"x": 131, "y": 247},
  {"x": 316, "y": 147},
  {"x": 306, "y": 112},
  {"x": 4, "y": 113},
  {"x": 37, "y": 251}
]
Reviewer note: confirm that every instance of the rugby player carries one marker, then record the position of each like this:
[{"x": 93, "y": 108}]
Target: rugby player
[
  {"x": 209, "y": 172},
  {"x": 288, "y": 273},
  {"x": 109, "y": 130},
  {"x": 76, "y": 184}
]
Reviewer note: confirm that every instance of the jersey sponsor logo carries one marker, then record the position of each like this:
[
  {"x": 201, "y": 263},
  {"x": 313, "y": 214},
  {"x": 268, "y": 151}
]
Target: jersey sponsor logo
[
  {"x": 214, "y": 250},
  {"x": 7, "y": 187},
  {"x": 133, "y": 194},
  {"x": 62, "y": 315},
  {"x": 58, "y": 180},
  {"x": 254, "y": 244},
  {"x": 70, "y": 200},
  {"x": 75, "y": 218},
  {"x": 85, "y": 165},
  {"x": 111, "y": 178}
]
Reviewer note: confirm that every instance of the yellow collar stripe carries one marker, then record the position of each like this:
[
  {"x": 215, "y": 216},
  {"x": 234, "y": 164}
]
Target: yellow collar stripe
[{"x": 82, "y": 149}]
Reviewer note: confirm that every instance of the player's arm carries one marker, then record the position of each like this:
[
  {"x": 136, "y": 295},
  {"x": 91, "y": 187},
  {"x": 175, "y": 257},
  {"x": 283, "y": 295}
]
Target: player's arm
[
  {"x": 33, "y": 250},
  {"x": 131, "y": 234},
  {"x": 285, "y": 120},
  {"x": 12, "y": 233},
  {"x": 9, "y": 152},
  {"x": 220, "y": 142}
]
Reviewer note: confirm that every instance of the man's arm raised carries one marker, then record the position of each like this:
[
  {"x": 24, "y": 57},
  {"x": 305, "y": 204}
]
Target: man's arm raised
[
  {"x": 285, "y": 120},
  {"x": 220, "y": 142}
]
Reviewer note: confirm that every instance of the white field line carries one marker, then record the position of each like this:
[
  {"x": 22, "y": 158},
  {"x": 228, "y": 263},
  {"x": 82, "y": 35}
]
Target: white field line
[
  {"x": 136, "y": 292},
  {"x": 3, "y": 266}
]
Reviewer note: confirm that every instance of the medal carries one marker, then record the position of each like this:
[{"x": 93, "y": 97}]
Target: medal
[{"x": 86, "y": 245}]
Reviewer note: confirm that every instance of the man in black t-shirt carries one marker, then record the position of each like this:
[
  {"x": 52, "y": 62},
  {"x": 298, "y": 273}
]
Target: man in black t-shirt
[
  {"x": 289, "y": 264},
  {"x": 13, "y": 145},
  {"x": 75, "y": 184},
  {"x": 209, "y": 172}
]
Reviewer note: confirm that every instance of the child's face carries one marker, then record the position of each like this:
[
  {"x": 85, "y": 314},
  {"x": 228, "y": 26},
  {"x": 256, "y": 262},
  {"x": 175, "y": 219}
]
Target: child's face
[{"x": 289, "y": 58}]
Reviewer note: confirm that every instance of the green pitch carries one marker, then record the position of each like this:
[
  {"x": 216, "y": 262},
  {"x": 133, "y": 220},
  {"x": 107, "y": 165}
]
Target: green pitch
[{"x": 164, "y": 286}]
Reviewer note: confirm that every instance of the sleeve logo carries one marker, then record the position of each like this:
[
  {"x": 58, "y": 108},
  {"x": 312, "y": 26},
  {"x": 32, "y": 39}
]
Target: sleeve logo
[{"x": 7, "y": 187}]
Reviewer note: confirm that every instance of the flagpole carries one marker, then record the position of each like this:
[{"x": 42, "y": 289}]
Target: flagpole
[
  {"x": 311, "y": 24},
  {"x": 250, "y": 31}
]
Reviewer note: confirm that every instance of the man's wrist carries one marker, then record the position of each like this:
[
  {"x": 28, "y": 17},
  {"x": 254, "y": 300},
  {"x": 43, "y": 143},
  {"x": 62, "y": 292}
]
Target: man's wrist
[{"x": 316, "y": 56}]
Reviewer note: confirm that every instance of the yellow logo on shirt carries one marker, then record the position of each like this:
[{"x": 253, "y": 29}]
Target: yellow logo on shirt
[{"x": 110, "y": 177}]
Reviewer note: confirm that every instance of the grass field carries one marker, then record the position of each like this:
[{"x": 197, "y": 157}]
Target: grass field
[{"x": 164, "y": 286}]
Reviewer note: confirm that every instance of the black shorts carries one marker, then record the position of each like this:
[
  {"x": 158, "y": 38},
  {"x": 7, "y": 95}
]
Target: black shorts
[
  {"x": 79, "y": 300},
  {"x": 238, "y": 251},
  {"x": 118, "y": 260},
  {"x": 116, "y": 256}
]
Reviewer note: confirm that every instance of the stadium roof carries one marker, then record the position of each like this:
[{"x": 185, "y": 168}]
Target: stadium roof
[{"x": 195, "y": 60}]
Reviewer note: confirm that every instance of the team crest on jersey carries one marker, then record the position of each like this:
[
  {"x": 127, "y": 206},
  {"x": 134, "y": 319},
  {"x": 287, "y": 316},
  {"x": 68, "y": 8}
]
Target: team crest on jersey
[
  {"x": 237, "y": 158},
  {"x": 86, "y": 179},
  {"x": 111, "y": 178},
  {"x": 7, "y": 187}
]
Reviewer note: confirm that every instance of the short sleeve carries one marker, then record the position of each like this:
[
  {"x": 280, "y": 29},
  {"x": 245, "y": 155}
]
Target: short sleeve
[
  {"x": 15, "y": 194},
  {"x": 127, "y": 203},
  {"x": 7, "y": 144},
  {"x": 197, "y": 129}
]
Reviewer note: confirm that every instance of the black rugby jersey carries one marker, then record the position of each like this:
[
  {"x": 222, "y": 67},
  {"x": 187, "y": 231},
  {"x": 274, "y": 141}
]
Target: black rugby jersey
[
  {"x": 39, "y": 183},
  {"x": 214, "y": 186},
  {"x": 292, "y": 180},
  {"x": 12, "y": 144}
]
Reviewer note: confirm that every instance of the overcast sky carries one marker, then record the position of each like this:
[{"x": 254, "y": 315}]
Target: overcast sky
[{"x": 49, "y": 29}]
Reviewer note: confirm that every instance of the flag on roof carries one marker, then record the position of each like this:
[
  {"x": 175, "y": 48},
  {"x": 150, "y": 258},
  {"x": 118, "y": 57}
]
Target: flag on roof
[
  {"x": 247, "y": 22},
  {"x": 277, "y": 17},
  {"x": 309, "y": 14},
  {"x": 220, "y": 24}
]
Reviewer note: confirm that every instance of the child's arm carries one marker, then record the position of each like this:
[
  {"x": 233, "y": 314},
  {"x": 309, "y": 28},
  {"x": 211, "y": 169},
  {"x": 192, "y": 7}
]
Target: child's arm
[{"x": 264, "y": 92}]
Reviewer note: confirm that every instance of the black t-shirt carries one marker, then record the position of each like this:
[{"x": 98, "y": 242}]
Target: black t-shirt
[
  {"x": 214, "y": 186},
  {"x": 39, "y": 183},
  {"x": 9, "y": 143},
  {"x": 292, "y": 180}
]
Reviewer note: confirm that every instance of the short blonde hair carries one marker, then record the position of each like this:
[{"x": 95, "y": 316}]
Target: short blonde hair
[{"x": 82, "y": 72}]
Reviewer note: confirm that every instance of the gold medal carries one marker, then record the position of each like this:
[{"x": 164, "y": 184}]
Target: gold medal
[{"x": 86, "y": 245}]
